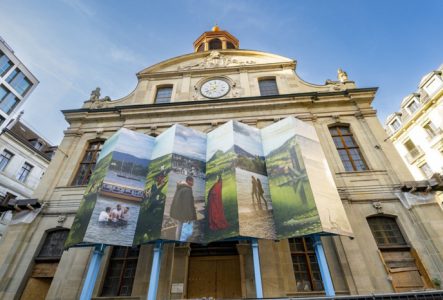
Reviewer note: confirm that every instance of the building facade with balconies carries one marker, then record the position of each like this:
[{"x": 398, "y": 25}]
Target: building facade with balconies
[{"x": 417, "y": 129}]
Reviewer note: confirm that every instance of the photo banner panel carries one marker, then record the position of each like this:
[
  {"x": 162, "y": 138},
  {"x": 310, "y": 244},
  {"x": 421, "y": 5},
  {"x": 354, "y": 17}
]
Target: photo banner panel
[
  {"x": 328, "y": 202},
  {"x": 253, "y": 196},
  {"x": 188, "y": 186},
  {"x": 110, "y": 207},
  {"x": 184, "y": 212},
  {"x": 221, "y": 189},
  {"x": 295, "y": 212},
  {"x": 156, "y": 188}
]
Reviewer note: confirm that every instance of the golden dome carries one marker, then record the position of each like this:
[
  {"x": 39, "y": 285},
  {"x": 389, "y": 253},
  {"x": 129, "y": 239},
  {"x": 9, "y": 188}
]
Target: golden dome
[{"x": 216, "y": 28}]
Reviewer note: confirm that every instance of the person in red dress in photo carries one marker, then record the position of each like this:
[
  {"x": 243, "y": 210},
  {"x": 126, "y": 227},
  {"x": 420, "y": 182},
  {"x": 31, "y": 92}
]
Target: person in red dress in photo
[{"x": 216, "y": 214}]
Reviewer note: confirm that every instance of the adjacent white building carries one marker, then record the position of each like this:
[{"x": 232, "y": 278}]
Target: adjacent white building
[
  {"x": 16, "y": 83},
  {"x": 417, "y": 129},
  {"x": 24, "y": 158}
]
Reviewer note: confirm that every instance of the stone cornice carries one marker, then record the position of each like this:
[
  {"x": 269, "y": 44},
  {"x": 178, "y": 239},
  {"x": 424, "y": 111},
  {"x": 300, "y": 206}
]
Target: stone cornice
[{"x": 360, "y": 94}]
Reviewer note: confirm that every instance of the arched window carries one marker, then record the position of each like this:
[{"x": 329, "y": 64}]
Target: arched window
[
  {"x": 201, "y": 48},
  {"x": 230, "y": 45},
  {"x": 347, "y": 148},
  {"x": 53, "y": 246},
  {"x": 215, "y": 44},
  {"x": 386, "y": 231},
  {"x": 268, "y": 87},
  {"x": 164, "y": 94},
  {"x": 88, "y": 162},
  {"x": 45, "y": 264}
]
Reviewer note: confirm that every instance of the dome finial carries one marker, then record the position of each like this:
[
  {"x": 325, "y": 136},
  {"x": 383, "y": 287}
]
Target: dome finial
[{"x": 215, "y": 28}]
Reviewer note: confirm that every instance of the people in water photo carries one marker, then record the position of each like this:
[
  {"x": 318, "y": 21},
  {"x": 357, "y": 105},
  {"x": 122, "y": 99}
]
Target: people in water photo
[{"x": 116, "y": 216}]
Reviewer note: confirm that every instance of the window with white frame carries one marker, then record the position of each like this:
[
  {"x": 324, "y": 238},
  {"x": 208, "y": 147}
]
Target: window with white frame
[
  {"x": 412, "y": 106},
  {"x": 431, "y": 129},
  {"x": 433, "y": 85},
  {"x": 395, "y": 124},
  {"x": 5, "y": 64},
  {"x": 426, "y": 170},
  {"x": 24, "y": 172},
  {"x": 19, "y": 81},
  {"x": 5, "y": 158}
]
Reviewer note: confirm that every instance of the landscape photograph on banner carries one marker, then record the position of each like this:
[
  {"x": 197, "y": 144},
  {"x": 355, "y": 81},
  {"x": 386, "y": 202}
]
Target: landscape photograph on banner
[
  {"x": 108, "y": 212},
  {"x": 221, "y": 189},
  {"x": 114, "y": 217},
  {"x": 188, "y": 186},
  {"x": 294, "y": 209},
  {"x": 156, "y": 187},
  {"x": 253, "y": 196},
  {"x": 327, "y": 200},
  {"x": 184, "y": 210}
]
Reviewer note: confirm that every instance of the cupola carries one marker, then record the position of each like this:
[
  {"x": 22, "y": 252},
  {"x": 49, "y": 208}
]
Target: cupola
[{"x": 215, "y": 39}]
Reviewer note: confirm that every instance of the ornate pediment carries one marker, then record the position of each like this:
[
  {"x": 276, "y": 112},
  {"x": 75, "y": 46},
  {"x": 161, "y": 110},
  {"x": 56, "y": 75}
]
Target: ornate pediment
[{"x": 216, "y": 60}]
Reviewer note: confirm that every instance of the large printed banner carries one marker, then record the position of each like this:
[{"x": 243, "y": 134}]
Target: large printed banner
[{"x": 188, "y": 186}]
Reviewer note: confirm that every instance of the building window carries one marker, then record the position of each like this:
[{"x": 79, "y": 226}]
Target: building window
[
  {"x": 53, "y": 245},
  {"x": 5, "y": 64},
  {"x": 347, "y": 148},
  {"x": 386, "y": 232},
  {"x": 37, "y": 144},
  {"x": 431, "y": 129},
  {"x": 426, "y": 170},
  {"x": 5, "y": 157},
  {"x": 8, "y": 101},
  {"x": 395, "y": 125},
  {"x": 24, "y": 172},
  {"x": 163, "y": 94},
  {"x": 215, "y": 44},
  {"x": 88, "y": 163},
  {"x": 412, "y": 107},
  {"x": 230, "y": 45},
  {"x": 305, "y": 264},
  {"x": 121, "y": 271},
  {"x": 19, "y": 82},
  {"x": 412, "y": 149},
  {"x": 268, "y": 87}
]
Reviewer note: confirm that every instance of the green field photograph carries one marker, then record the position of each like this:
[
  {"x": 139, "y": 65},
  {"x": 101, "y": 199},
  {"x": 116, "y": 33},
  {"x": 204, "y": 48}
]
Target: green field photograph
[
  {"x": 294, "y": 207},
  {"x": 221, "y": 188},
  {"x": 153, "y": 203}
]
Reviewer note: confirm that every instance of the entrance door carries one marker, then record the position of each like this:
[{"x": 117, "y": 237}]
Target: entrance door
[
  {"x": 214, "y": 276},
  {"x": 214, "y": 271}
]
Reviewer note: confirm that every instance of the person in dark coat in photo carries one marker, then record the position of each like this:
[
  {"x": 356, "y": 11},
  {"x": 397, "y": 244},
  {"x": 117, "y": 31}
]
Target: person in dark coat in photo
[{"x": 182, "y": 207}]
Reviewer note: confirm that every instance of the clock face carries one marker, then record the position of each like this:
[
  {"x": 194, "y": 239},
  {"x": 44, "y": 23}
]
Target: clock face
[{"x": 215, "y": 88}]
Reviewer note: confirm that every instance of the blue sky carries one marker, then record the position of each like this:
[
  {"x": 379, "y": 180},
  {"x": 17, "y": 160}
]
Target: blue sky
[{"x": 73, "y": 46}]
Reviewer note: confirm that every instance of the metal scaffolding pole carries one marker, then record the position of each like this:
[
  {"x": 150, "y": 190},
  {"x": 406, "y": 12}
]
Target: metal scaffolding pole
[
  {"x": 257, "y": 271},
  {"x": 323, "y": 265},
  {"x": 91, "y": 275},
  {"x": 155, "y": 271}
]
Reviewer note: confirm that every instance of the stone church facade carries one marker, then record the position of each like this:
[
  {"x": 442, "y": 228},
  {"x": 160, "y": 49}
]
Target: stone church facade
[{"x": 395, "y": 249}]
